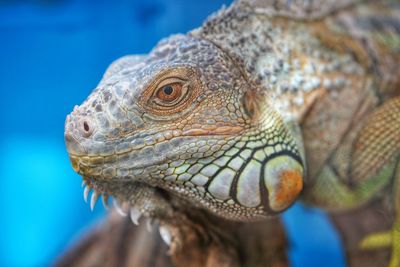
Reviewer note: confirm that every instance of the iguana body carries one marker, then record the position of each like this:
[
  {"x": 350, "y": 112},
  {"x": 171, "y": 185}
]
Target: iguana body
[{"x": 239, "y": 116}]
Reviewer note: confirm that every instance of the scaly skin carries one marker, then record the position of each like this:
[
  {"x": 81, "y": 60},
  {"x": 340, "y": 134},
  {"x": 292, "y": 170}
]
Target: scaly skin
[
  {"x": 184, "y": 148},
  {"x": 237, "y": 115}
]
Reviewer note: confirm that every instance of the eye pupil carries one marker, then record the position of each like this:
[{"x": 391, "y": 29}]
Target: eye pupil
[{"x": 168, "y": 90}]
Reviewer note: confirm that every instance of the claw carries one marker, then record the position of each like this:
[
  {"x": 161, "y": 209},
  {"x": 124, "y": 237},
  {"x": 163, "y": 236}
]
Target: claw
[
  {"x": 86, "y": 193},
  {"x": 149, "y": 225},
  {"x": 93, "y": 199},
  {"x": 135, "y": 215},
  {"x": 105, "y": 201},
  {"x": 119, "y": 208},
  {"x": 165, "y": 235}
]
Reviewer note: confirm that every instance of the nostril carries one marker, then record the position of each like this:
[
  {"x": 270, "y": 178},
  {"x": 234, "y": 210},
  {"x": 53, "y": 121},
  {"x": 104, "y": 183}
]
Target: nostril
[{"x": 86, "y": 126}]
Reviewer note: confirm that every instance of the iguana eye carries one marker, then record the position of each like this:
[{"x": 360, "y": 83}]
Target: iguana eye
[{"x": 170, "y": 94}]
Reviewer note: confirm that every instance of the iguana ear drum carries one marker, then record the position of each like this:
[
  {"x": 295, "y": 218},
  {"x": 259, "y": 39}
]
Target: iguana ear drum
[{"x": 252, "y": 103}]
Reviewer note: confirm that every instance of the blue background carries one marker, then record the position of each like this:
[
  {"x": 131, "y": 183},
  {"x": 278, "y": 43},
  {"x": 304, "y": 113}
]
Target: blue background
[{"x": 52, "y": 54}]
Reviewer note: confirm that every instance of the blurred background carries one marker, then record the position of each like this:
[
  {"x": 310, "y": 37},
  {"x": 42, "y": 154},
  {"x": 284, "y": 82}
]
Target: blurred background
[{"x": 52, "y": 54}]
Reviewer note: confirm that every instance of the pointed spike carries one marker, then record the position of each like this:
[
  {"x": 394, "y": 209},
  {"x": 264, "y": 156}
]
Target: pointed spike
[
  {"x": 93, "y": 199},
  {"x": 86, "y": 193},
  {"x": 135, "y": 215},
  {"x": 165, "y": 235},
  {"x": 149, "y": 225},
  {"x": 119, "y": 208},
  {"x": 105, "y": 201}
]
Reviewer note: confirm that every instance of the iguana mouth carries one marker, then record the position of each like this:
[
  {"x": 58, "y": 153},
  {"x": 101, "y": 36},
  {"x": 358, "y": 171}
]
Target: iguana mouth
[{"x": 106, "y": 167}]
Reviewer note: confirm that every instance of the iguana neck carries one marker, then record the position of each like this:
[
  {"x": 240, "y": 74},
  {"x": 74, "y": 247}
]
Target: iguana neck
[{"x": 280, "y": 56}]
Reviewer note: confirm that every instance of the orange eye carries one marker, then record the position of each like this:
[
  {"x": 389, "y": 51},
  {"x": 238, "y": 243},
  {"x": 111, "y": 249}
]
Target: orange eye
[{"x": 170, "y": 92}]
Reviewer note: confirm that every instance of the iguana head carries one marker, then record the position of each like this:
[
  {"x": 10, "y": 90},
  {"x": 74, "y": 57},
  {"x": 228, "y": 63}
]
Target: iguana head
[{"x": 184, "y": 118}]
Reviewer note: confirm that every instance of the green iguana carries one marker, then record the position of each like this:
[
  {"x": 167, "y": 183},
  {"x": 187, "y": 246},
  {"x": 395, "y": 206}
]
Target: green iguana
[{"x": 267, "y": 103}]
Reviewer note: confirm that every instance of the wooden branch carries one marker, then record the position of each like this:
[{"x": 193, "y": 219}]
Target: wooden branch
[
  {"x": 208, "y": 241},
  {"x": 204, "y": 241}
]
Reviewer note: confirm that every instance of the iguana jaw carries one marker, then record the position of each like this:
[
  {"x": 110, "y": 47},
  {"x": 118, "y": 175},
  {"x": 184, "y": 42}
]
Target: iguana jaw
[{"x": 149, "y": 160}]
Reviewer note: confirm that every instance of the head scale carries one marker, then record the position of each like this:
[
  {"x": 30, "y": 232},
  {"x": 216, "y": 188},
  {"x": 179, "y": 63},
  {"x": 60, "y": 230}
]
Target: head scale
[{"x": 185, "y": 119}]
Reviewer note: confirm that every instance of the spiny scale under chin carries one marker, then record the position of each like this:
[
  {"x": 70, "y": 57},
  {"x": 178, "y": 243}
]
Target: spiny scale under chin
[{"x": 125, "y": 208}]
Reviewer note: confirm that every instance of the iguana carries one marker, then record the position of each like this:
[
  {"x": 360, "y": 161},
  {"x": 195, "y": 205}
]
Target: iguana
[{"x": 267, "y": 103}]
